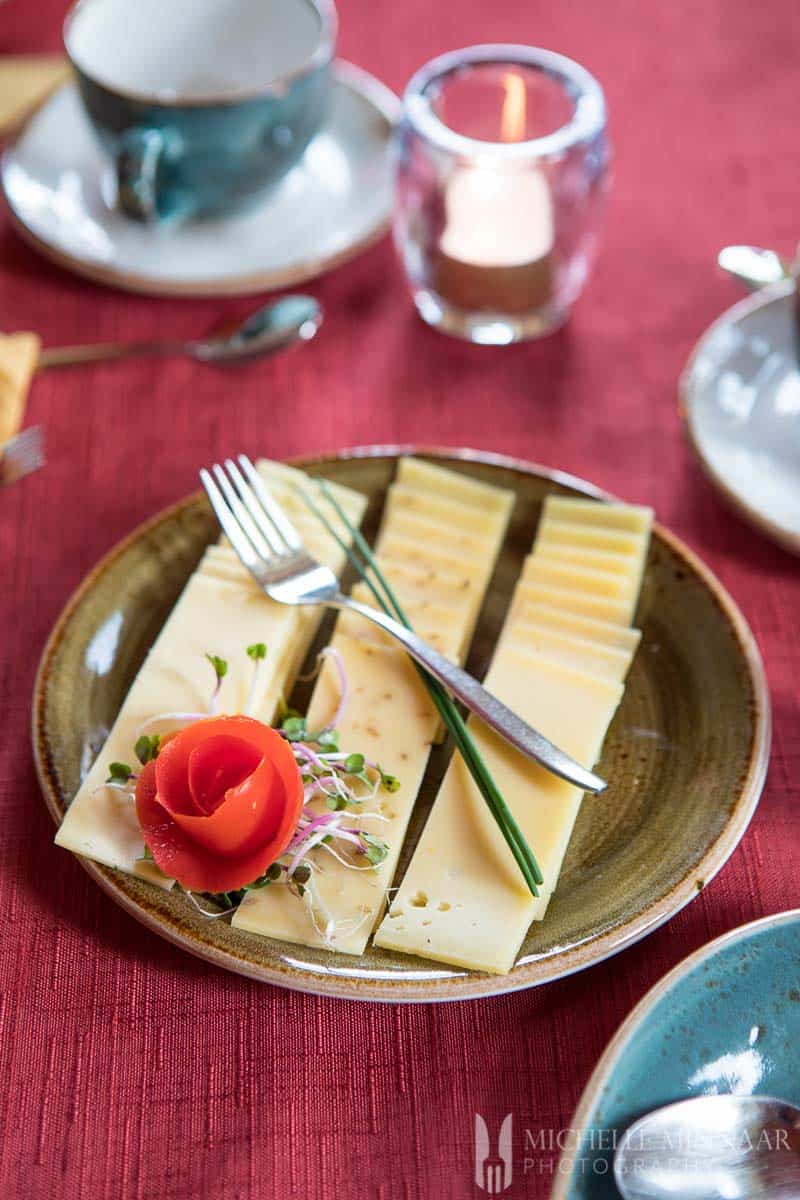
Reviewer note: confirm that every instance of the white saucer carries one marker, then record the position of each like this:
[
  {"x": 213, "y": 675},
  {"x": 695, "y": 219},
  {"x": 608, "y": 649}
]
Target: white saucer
[
  {"x": 333, "y": 204},
  {"x": 741, "y": 395}
]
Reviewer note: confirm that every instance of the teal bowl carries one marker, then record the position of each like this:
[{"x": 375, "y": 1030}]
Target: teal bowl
[{"x": 725, "y": 1020}]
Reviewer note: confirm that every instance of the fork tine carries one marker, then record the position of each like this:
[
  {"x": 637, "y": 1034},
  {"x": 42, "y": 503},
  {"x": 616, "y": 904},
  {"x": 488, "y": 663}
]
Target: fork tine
[
  {"x": 273, "y": 510},
  {"x": 241, "y": 514},
  {"x": 256, "y": 511},
  {"x": 230, "y": 525}
]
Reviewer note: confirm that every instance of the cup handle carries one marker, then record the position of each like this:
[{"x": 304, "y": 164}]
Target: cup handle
[{"x": 139, "y": 155}]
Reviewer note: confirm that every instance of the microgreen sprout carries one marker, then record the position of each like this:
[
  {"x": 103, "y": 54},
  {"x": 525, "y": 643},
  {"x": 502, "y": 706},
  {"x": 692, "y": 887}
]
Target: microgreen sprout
[
  {"x": 147, "y": 747},
  {"x": 258, "y": 654},
  {"x": 119, "y": 772},
  {"x": 220, "y": 668}
]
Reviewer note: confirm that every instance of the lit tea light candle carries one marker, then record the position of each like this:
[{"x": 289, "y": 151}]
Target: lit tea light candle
[{"x": 495, "y": 252}]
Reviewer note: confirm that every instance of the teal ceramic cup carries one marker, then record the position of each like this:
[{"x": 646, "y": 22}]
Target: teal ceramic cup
[{"x": 202, "y": 105}]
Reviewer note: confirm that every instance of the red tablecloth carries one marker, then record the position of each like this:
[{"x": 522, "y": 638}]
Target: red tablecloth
[{"x": 131, "y": 1070}]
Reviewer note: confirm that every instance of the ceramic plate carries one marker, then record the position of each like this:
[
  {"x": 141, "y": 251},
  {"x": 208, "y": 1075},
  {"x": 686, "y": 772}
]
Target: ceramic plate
[
  {"x": 727, "y": 1019},
  {"x": 685, "y": 756},
  {"x": 741, "y": 395},
  {"x": 333, "y": 204}
]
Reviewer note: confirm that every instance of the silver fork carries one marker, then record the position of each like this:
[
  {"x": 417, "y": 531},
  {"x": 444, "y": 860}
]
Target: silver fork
[
  {"x": 269, "y": 546},
  {"x": 21, "y": 455}
]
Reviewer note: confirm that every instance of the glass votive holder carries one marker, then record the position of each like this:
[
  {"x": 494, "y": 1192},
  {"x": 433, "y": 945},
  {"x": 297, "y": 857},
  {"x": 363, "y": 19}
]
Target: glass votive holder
[{"x": 502, "y": 171}]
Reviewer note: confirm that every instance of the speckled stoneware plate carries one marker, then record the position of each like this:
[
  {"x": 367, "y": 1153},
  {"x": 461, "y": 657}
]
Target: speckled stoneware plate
[
  {"x": 726, "y": 1019},
  {"x": 740, "y": 393},
  {"x": 685, "y": 757},
  {"x": 335, "y": 202}
]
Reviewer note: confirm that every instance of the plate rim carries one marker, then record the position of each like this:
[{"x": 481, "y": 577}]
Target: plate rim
[
  {"x": 638, "y": 1014},
  {"x": 470, "y": 985},
  {"x": 355, "y": 78},
  {"x": 773, "y": 293}
]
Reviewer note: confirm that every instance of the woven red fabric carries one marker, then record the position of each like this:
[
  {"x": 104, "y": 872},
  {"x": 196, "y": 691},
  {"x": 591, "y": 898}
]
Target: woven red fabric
[{"x": 131, "y": 1070}]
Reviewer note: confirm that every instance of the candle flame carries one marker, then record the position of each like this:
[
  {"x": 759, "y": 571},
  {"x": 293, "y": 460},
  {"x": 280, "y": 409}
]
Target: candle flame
[{"x": 512, "y": 121}]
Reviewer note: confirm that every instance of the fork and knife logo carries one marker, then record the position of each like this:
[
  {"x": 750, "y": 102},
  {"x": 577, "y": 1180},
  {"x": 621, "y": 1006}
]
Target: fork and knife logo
[{"x": 493, "y": 1172}]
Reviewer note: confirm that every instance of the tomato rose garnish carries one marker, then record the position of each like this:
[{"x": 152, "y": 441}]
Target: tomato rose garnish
[{"x": 220, "y": 803}]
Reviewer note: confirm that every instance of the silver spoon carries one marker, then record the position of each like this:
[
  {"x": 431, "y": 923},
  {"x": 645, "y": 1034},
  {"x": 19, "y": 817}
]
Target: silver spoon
[
  {"x": 270, "y": 328},
  {"x": 753, "y": 266},
  {"x": 712, "y": 1148}
]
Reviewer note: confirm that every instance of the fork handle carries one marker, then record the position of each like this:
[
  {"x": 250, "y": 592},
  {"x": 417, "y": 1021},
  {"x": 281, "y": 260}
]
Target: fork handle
[{"x": 480, "y": 701}]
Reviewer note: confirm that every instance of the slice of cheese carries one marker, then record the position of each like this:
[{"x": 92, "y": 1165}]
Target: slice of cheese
[
  {"x": 599, "y": 608},
  {"x": 522, "y": 637},
  {"x": 593, "y": 537},
  {"x": 449, "y": 512},
  {"x": 452, "y": 485},
  {"x": 391, "y": 719},
  {"x": 582, "y": 556},
  {"x": 601, "y": 633},
  {"x": 553, "y": 572},
  {"x": 19, "y": 353},
  {"x": 465, "y": 544},
  {"x": 463, "y": 900},
  {"x": 433, "y": 622},
  {"x": 631, "y": 518},
  {"x": 213, "y": 615},
  {"x": 421, "y": 552}
]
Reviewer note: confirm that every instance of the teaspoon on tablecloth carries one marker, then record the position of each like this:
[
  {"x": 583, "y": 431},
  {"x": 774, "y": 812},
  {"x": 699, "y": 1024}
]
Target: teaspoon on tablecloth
[{"x": 273, "y": 327}]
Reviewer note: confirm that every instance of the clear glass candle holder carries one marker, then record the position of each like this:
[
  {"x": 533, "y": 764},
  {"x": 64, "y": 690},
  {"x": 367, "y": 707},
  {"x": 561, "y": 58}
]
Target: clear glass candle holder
[{"x": 502, "y": 171}]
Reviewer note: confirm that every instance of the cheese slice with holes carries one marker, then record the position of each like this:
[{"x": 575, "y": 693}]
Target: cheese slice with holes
[
  {"x": 214, "y": 614},
  {"x": 391, "y": 719},
  {"x": 463, "y": 899}
]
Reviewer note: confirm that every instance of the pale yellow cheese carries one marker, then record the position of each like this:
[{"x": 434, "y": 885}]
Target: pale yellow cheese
[
  {"x": 216, "y": 615},
  {"x": 602, "y": 633},
  {"x": 422, "y": 552},
  {"x": 211, "y": 617},
  {"x": 391, "y": 719},
  {"x": 448, "y": 512},
  {"x": 433, "y": 622},
  {"x": 19, "y": 354},
  {"x": 599, "y": 608},
  {"x": 463, "y": 900},
  {"x": 629, "y": 517},
  {"x": 593, "y": 537},
  {"x": 465, "y": 544},
  {"x": 522, "y": 637},
  {"x": 553, "y": 572},
  {"x": 597, "y": 560},
  {"x": 453, "y": 485}
]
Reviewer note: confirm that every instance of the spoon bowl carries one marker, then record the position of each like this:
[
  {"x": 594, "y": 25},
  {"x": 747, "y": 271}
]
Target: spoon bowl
[{"x": 712, "y": 1148}]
